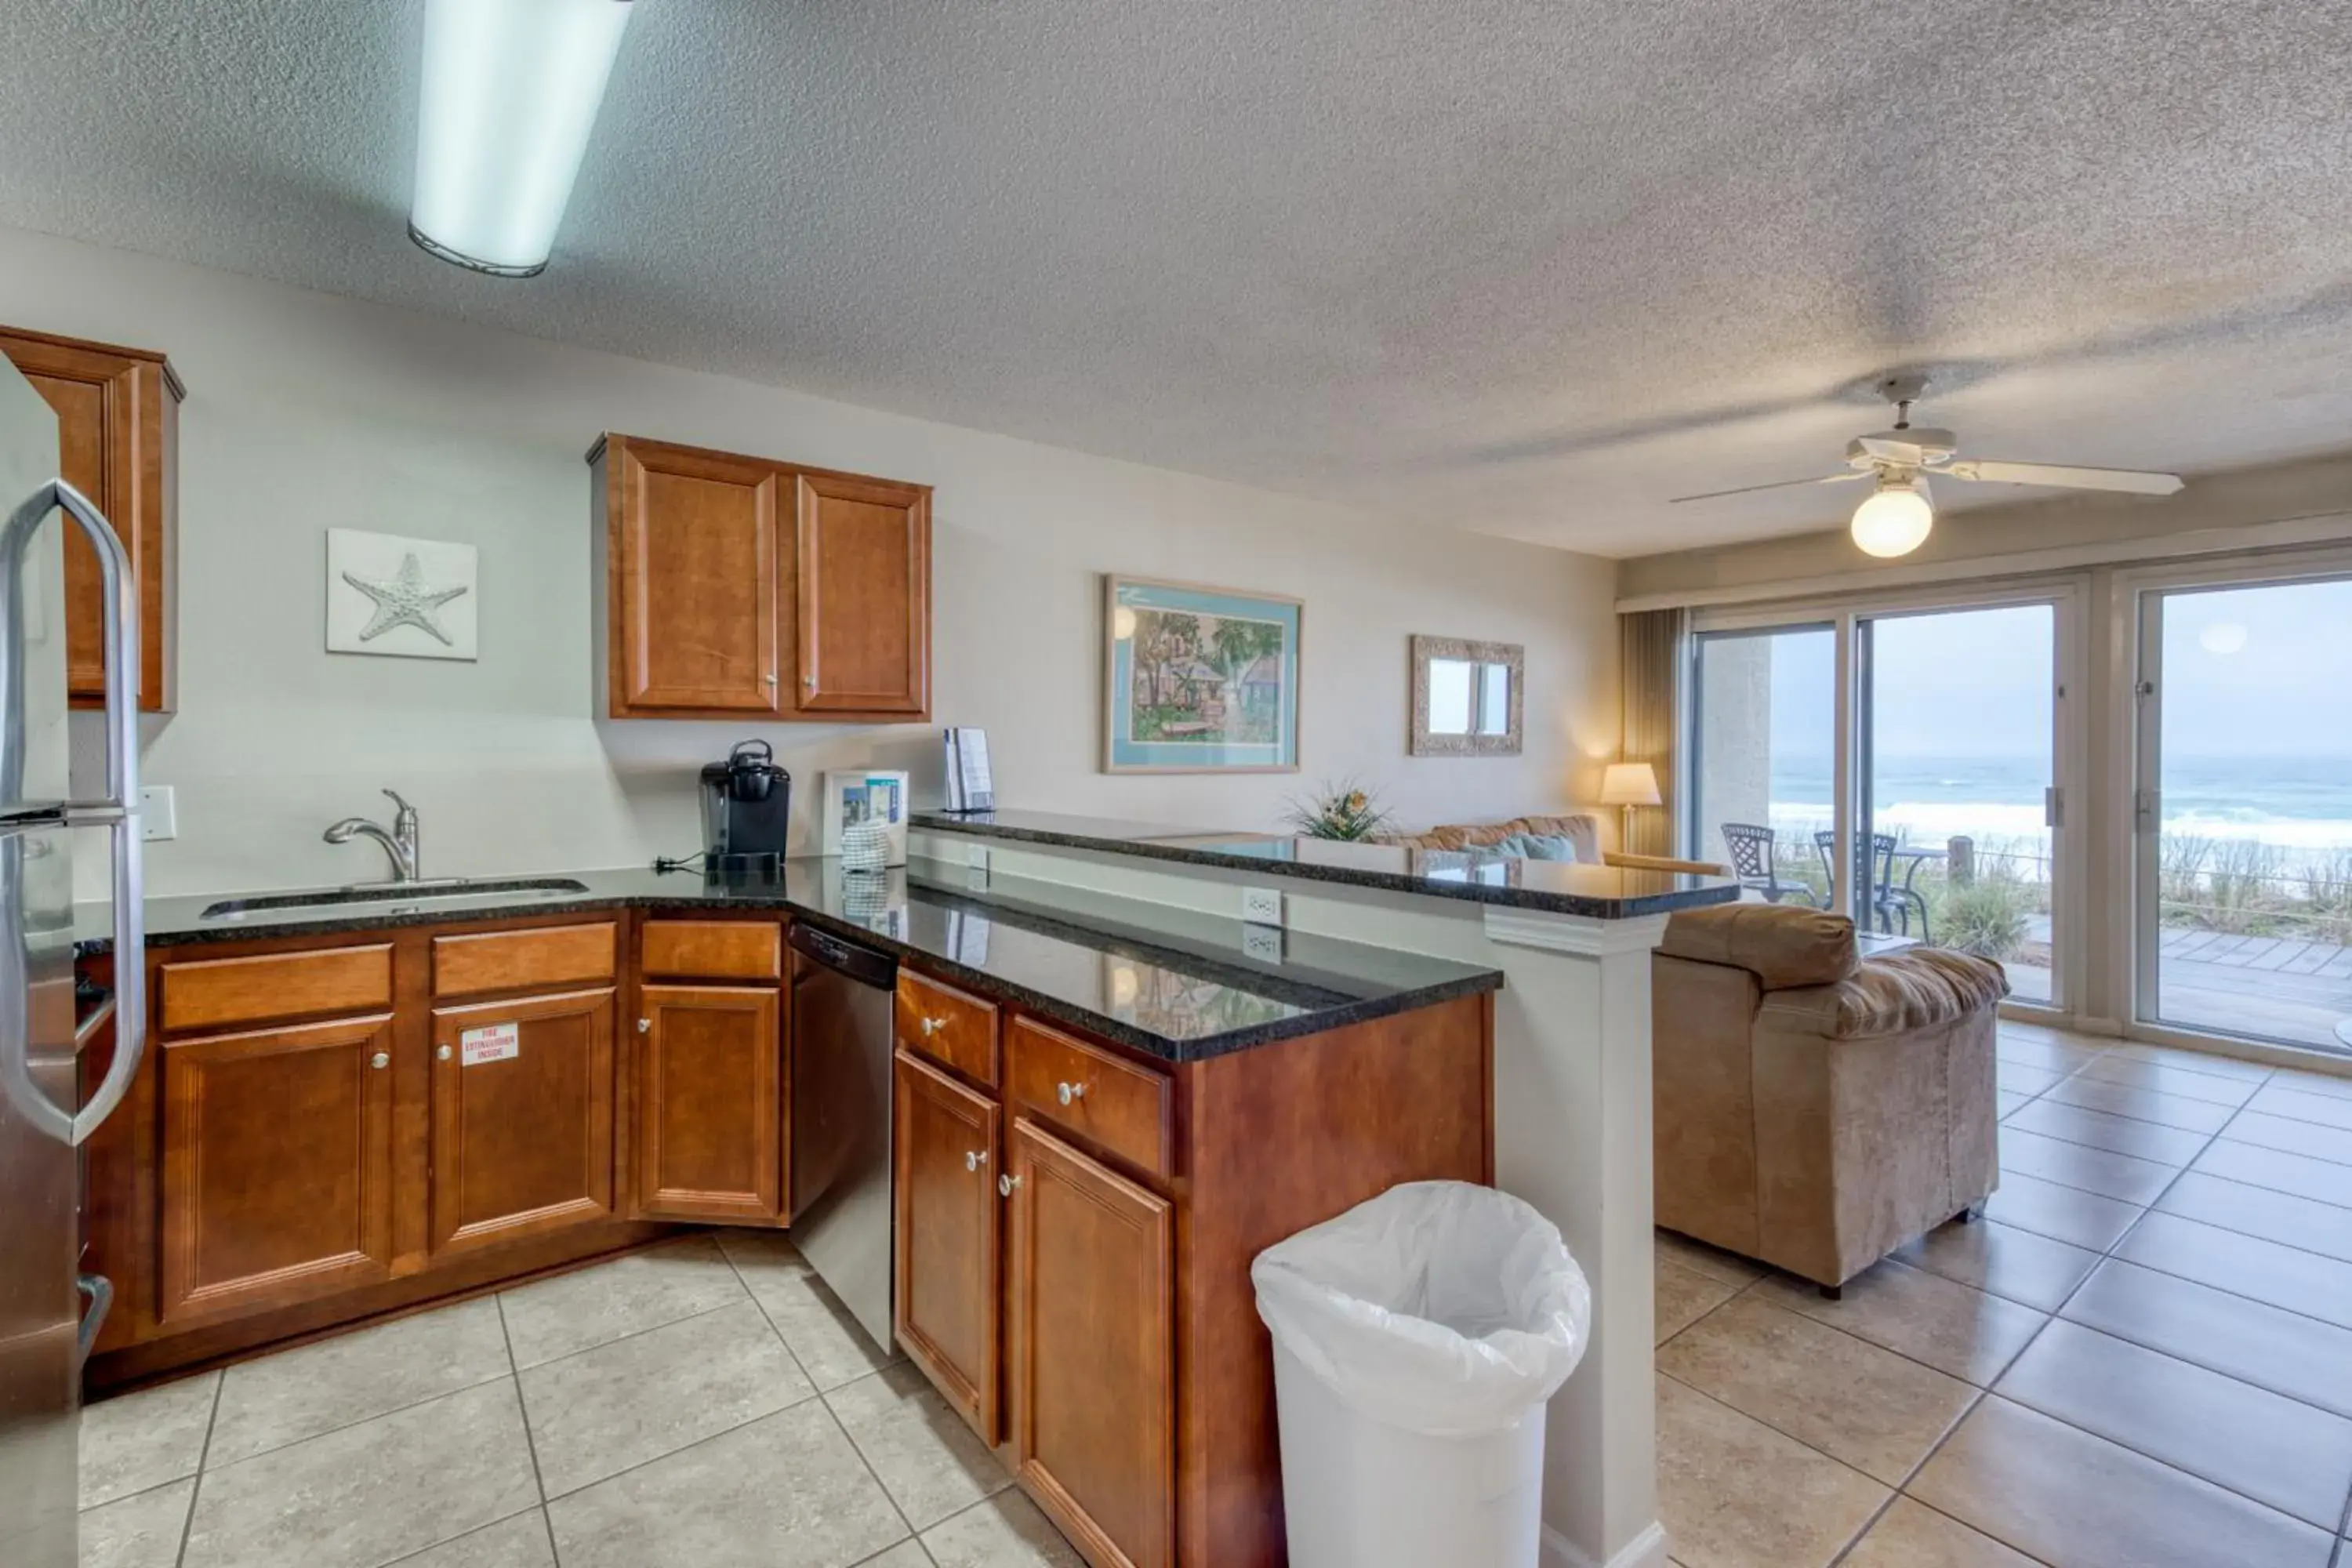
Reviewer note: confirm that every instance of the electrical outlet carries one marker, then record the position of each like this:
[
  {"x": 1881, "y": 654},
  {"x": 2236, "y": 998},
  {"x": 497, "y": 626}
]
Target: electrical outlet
[
  {"x": 1262, "y": 942},
  {"x": 159, "y": 815},
  {"x": 1262, "y": 906},
  {"x": 975, "y": 874}
]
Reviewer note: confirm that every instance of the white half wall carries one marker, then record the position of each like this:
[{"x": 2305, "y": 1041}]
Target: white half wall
[{"x": 307, "y": 412}]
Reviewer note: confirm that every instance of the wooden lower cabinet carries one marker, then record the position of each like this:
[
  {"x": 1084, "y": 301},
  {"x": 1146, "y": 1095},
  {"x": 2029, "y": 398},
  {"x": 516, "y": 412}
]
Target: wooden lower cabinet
[
  {"x": 522, "y": 1128},
  {"x": 1093, "y": 1351},
  {"x": 1138, "y": 1378},
  {"x": 710, "y": 1104},
  {"x": 947, "y": 1310},
  {"x": 277, "y": 1166}
]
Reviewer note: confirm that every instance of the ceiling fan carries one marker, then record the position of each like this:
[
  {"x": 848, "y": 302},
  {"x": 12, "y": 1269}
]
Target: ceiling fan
[{"x": 1895, "y": 518}]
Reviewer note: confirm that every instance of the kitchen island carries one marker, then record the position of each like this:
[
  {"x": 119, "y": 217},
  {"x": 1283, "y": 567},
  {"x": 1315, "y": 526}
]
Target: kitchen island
[
  {"x": 1104, "y": 1109},
  {"x": 1571, "y": 1101}
]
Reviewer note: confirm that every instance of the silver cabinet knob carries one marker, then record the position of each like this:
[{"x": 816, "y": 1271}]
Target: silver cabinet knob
[
  {"x": 767, "y": 680},
  {"x": 809, "y": 681},
  {"x": 1005, "y": 1184},
  {"x": 1070, "y": 1092},
  {"x": 644, "y": 1026},
  {"x": 933, "y": 1026},
  {"x": 974, "y": 1159},
  {"x": 444, "y": 1053},
  {"x": 380, "y": 1060}
]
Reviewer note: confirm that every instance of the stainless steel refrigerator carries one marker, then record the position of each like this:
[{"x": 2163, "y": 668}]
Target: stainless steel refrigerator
[{"x": 49, "y": 1309}]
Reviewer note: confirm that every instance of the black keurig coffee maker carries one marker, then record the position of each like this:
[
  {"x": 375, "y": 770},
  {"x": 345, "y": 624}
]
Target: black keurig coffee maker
[{"x": 747, "y": 808}]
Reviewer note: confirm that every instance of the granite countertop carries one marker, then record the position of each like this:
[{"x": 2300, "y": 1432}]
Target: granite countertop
[
  {"x": 1555, "y": 887},
  {"x": 1171, "y": 982}
]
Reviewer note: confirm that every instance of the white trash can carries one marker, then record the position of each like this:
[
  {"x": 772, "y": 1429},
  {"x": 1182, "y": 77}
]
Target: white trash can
[{"x": 1416, "y": 1339}]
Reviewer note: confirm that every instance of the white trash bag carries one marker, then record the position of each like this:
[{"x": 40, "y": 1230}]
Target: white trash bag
[{"x": 1416, "y": 1339}]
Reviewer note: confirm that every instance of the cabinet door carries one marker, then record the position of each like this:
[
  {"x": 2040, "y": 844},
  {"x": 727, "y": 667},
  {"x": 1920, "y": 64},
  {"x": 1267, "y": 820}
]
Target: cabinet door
[
  {"x": 276, "y": 1183},
  {"x": 522, "y": 1118},
  {"x": 710, "y": 1104},
  {"x": 1094, "y": 1423},
  {"x": 864, "y": 573},
  {"x": 945, "y": 1162},
  {"x": 696, "y": 590},
  {"x": 117, "y": 420}
]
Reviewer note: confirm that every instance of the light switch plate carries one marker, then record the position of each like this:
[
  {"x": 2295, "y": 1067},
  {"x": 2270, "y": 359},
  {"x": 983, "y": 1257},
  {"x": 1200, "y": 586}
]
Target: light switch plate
[
  {"x": 159, "y": 815},
  {"x": 1262, "y": 906}
]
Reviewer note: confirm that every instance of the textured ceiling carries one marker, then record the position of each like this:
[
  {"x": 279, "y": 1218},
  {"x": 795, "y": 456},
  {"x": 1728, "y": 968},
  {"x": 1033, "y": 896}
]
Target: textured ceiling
[{"x": 1527, "y": 267}]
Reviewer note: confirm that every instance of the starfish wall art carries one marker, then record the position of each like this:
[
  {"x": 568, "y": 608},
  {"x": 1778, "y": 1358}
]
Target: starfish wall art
[{"x": 411, "y": 598}]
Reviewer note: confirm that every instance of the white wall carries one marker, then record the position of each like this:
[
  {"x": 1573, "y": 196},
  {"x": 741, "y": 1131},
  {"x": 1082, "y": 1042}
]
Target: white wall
[{"x": 307, "y": 412}]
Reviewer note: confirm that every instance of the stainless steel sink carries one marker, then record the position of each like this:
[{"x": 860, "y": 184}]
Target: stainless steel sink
[{"x": 392, "y": 898}]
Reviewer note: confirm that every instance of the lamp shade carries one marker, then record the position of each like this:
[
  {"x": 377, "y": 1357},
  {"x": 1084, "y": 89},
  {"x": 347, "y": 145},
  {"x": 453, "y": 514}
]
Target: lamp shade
[{"x": 1629, "y": 784}]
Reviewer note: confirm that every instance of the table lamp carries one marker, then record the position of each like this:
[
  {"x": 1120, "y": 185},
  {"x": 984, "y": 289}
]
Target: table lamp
[{"x": 1626, "y": 785}]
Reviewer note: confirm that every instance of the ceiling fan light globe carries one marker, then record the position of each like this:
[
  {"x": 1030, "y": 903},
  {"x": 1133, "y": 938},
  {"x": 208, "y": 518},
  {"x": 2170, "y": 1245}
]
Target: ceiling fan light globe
[{"x": 1894, "y": 519}]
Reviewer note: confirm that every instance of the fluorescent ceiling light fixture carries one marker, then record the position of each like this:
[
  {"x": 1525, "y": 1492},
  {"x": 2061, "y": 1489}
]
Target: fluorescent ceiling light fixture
[
  {"x": 511, "y": 88},
  {"x": 1895, "y": 518}
]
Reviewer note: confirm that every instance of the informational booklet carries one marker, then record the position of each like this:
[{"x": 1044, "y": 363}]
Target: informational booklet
[{"x": 968, "y": 786}]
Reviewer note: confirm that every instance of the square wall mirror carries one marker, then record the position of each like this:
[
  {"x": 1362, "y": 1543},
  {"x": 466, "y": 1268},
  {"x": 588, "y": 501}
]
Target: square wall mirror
[{"x": 1467, "y": 697}]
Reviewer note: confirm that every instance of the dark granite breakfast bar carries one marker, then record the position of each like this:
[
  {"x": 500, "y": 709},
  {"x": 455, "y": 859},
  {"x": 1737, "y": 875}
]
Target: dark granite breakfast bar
[{"x": 1169, "y": 983}]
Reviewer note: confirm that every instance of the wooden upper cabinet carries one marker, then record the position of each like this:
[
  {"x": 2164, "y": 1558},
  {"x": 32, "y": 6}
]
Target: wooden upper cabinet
[
  {"x": 694, "y": 582},
  {"x": 277, "y": 1179},
  {"x": 863, "y": 559},
  {"x": 710, "y": 608},
  {"x": 522, "y": 1118},
  {"x": 118, "y": 430}
]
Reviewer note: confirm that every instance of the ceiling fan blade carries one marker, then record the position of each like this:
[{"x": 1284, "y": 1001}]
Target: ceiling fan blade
[
  {"x": 1892, "y": 451},
  {"x": 1782, "y": 485},
  {"x": 2065, "y": 478}
]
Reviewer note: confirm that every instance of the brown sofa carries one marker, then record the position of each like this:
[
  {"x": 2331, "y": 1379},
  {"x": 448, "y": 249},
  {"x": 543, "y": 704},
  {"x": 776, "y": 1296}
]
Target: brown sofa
[
  {"x": 1580, "y": 829},
  {"x": 1814, "y": 1110}
]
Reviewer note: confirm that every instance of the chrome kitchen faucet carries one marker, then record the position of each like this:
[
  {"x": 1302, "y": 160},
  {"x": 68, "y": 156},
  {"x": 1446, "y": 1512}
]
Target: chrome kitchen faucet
[{"x": 400, "y": 843}]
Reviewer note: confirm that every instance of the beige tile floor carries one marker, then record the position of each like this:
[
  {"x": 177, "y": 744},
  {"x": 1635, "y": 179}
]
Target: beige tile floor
[
  {"x": 704, "y": 1405},
  {"x": 2141, "y": 1358}
]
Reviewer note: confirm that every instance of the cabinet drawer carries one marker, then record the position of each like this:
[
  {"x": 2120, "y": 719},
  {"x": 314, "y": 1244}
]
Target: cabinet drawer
[
  {"x": 508, "y": 960},
  {"x": 276, "y": 985},
  {"x": 948, "y": 1026},
  {"x": 714, "y": 950},
  {"x": 1107, "y": 1098}
]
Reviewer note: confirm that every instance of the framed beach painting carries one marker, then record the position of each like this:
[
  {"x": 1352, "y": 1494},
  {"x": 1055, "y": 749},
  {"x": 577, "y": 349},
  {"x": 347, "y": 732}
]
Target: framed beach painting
[{"x": 1198, "y": 679}]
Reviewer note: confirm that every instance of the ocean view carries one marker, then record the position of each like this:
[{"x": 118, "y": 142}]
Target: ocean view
[{"x": 2302, "y": 805}]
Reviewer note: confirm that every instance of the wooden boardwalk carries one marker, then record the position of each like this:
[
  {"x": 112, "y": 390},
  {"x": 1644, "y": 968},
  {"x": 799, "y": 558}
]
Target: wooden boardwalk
[{"x": 2287, "y": 987}]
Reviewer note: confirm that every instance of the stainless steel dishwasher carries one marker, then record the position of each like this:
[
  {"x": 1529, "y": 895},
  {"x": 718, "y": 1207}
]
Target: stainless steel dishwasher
[{"x": 842, "y": 1215}]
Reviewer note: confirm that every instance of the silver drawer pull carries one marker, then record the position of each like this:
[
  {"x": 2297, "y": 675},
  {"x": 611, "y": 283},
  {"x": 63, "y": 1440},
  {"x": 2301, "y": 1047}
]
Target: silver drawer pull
[
  {"x": 974, "y": 1159},
  {"x": 444, "y": 1053},
  {"x": 380, "y": 1060},
  {"x": 1005, "y": 1184},
  {"x": 1070, "y": 1092},
  {"x": 932, "y": 1027},
  {"x": 644, "y": 1026}
]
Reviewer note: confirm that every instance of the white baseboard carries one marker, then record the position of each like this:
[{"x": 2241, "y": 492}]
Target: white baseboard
[{"x": 1647, "y": 1550}]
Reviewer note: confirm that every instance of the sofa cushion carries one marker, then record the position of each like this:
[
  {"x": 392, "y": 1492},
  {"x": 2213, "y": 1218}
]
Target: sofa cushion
[
  {"x": 1782, "y": 944},
  {"x": 1917, "y": 988},
  {"x": 1535, "y": 846}
]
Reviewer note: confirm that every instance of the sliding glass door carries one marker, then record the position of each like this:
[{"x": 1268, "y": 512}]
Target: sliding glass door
[
  {"x": 1763, "y": 780},
  {"x": 1899, "y": 761},
  {"x": 2244, "y": 810},
  {"x": 1958, "y": 764}
]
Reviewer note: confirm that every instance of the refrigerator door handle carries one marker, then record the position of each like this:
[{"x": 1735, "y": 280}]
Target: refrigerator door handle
[
  {"x": 100, "y": 1292},
  {"x": 118, "y": 813}
]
